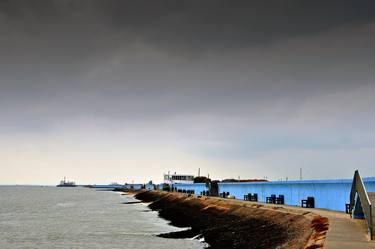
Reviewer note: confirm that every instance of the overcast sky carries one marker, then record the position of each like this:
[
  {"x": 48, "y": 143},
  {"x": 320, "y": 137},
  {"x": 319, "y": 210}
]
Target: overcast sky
[{"x": 103, "y": 91}]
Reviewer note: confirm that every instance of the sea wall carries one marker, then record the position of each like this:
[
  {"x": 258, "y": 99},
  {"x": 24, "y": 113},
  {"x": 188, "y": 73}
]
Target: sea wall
[
  {"x": 226, "y": 223},
  {"x": 328, "y": 194},
  {"x": 135, "y": 186},
  {"x": 196, "y": 187}
]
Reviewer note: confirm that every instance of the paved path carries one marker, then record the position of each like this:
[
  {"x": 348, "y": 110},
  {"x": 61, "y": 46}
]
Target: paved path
[{"x": 344, "y": 232}]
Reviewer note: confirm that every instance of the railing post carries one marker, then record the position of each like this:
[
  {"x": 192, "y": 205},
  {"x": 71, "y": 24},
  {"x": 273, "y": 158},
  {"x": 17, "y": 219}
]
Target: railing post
[
  {"x": 359, "y": 189},
  {"x": 371, "y": 228}
]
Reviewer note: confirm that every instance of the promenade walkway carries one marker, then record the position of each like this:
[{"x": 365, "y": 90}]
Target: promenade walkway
[{"x": 343, "y": 233}]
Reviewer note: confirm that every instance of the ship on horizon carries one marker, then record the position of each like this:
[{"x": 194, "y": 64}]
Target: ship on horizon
[{"x": 65, "y": 183}]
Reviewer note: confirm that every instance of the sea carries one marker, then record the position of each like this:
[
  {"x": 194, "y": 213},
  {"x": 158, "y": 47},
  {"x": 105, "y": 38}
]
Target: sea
[{"x": 51, "y": 217}]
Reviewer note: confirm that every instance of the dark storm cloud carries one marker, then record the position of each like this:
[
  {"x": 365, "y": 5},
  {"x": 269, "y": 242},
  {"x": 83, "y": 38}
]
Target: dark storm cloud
[
  {"x": 67, "y": 37},
  {"x": 285, "y": 84},
  {"x": 82, "y": 26},
  {"x": 102, "y": 58}
]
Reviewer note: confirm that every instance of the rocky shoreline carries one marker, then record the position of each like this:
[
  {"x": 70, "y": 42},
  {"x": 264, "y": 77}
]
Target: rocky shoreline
[{"x": 228, "y": 223}]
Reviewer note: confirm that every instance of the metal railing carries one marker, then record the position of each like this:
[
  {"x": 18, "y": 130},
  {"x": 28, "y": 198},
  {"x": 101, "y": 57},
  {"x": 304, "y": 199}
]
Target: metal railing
[{"x": 359, "y": 188}]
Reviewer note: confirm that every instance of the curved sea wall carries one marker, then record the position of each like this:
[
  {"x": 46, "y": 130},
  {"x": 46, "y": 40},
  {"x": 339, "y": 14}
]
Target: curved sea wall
[
  {"x": 196, "y": 187},
  {"x": 328, "y": 194},
  {"x": 226, "y": 223}
]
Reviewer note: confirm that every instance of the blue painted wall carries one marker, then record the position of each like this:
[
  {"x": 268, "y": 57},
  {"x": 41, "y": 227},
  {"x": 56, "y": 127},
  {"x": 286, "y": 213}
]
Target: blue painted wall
[
  {"x": 328, "y": 194},
  {"x": 150, "y": 186},
  {"x": 135, "y": 186},
  {"x": 197, "y": 187}
]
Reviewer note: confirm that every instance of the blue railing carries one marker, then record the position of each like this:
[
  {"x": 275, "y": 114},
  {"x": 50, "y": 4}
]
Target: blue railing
[{"x": 358, "y": 188}]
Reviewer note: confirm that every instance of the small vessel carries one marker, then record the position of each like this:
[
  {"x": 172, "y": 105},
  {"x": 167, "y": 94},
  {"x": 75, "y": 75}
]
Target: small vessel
[{"x": 65, "y": 183}]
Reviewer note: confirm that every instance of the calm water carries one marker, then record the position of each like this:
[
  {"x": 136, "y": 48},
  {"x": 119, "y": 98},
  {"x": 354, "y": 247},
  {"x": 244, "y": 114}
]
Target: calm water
[{"x": 49, "y": 217}]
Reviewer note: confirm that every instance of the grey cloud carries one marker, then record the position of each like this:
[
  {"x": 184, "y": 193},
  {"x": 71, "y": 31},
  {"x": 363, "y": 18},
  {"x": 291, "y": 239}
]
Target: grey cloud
[
  {"x": 81, "y": 26},
  {"x": 233, "y": 80},
  {"x": 44, "y": 40},
  {"x": 147, "y": 60}
]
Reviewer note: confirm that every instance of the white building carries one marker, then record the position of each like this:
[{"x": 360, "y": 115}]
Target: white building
[{"x": 178, "y": 179}]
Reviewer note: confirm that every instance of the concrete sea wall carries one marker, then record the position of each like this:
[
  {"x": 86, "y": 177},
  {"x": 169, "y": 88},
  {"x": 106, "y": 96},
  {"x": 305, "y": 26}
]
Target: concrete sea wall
[
  {"x": 227, "y": 223},
  {"x": 135, "y": 186},
  {"x": 196, "y": 187}
]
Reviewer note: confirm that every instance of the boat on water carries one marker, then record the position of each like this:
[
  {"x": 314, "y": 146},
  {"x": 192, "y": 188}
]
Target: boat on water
[{"x": 65, "y": 183}]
